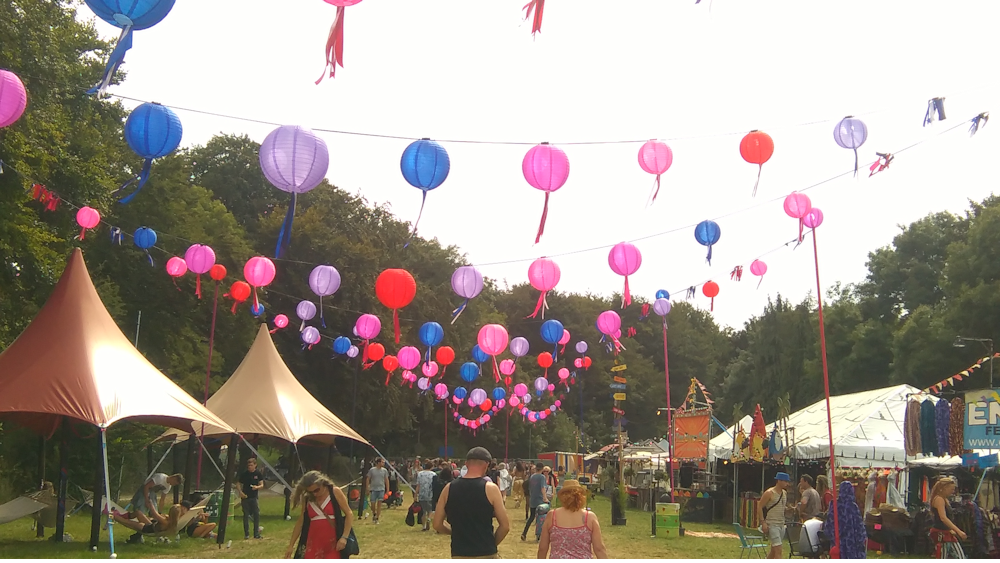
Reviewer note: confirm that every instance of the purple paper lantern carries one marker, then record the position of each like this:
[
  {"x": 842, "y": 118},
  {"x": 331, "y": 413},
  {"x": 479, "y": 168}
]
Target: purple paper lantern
[
  {"x": 324, "y": 281},
  {"x": 13, "y": 98},
  {"x": 294, "y": 160},
  {"x": 305, "y": 310},
  {"x": 199, "y": 259},
  {"x": 467, "y": 283}
]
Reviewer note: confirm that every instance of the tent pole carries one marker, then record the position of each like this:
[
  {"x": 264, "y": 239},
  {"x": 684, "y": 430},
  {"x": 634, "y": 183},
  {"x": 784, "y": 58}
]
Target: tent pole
[
  {"x": 63, "y": 481},
  {"x": 40, "y": 530},
  {"x": 670, "y": 426},
  {"x": 446, "y": 430},
  {"x": 227, "y": 491},
  {"x": 107, "y": 490},
  {"x": 208, "y": 371},
  {"x": 95, "y": 515},
  {"x": 354, "y": 405},
  {"x": 188, "y": 466},
  {"x": 835, "y": 550},
  {"x": 149, "y": 459},
  {"x": 291, "y": 479}
]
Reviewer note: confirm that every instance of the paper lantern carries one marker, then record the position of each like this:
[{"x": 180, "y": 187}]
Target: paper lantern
[
  {"x": 395, "y": 288},
  {"x": 409, "y": 357},
  {"x": 507, "y": 367},
  {"x": 13, "y": 98},
  {"x": 662, "y": 294},
  {"x": 129, "y": 16},
  {"x": 259, "y": 272},
  {"x": 563, "y": 374},
  {"x": 311, "y": 336},
  {"x": 581, "y": 347},
  {"x": 662, "y": 307},
  {"x": 543, "y": 274},
  {"x": 493, "y": 340},
  {"x": 460, "y": 393},
  {"x": 625, "y": 260},
  {"x": 813, "y": 219},
  {"x": 294, "y": 160},
  {"x": 441, "y": 390},
  {"x": 477, "y": 396},
  {"x": 758, "y": 268},
  {"x": 423, "y": 384},
  {"x": 176, "y": 267},
  {"x": 519, "y": 346},
  {"x": 324, "y": 281},
  {"x": 445, "y": 356},
  {"x": 757, "y": 148},
  {"x": 429, "y": 369},
  {"x": 334, "y": 50},
  {"x": 655, "y": 157},
  {"x": 467, "y": 283},
  {"x": 217, "y": 273},
  {"x": 353, "y": 352},
  {"x": 485, "y": 406},
  {"x": 552, "y": 331},
  {"x": 478, "y": 355},
  {"x": 587, "y": 362},
  {"x": 431, "y": 334},
  {"x": 200, "y": 259},
  {"x": 258, "y": 310},
  {"x": 707, "y": 233},
  {"x": 545, "y": 168},
  {"x": 342, "y": 344},
  {"x": 390, "y": 363},
  {"x": 87, "y": 218},
  {"x": 609, "y": 323},
  {"x": 375, "y": 351},
  {"x": 368, "y": 326},
  {"x": 305, "y": 311},
  {"x": 151, "y": 131},
  {"x": 145, "y": 238},
  {"x": 545, "y": 361},
  {"x": 425, "y": 165},
  {"x": 520, "y": 390},
  {"x": 281, "y": 321},
  {"x": 541, "y": 384},
  {"x": 851, "y": 133},
  {"x": 711, "y": 290},
  {"x": 797, "y": 206},
  {"x": 240, "y": 292}
]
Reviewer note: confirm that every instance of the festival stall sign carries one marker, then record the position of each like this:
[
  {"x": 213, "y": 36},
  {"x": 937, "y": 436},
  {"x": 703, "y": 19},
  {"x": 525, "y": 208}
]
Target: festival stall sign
[
  {"x": 619, "y": 396},
  {"x": 982, "y": 419},
  {"x": 691, "y": 434}
]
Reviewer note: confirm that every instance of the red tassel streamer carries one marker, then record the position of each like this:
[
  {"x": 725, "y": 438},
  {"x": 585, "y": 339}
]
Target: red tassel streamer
[
  {"x": 657, "y": 191},
  {"x": 84, "y": 231},
  {"x": 197, "y": 285},
  {"x": 545, "y": 213},
  {"x": 801, "y": 227},
  {"x": 256, "y": 304},
  {"x": 627, "y": 295},
  {"x": 496, "y": 370},
  {"x": 395, "y": 323},
  {"x": 388, "y": 376},
  {"x": 540, "y": 307},
  {"x": 364, "y": 354},
  {"x": 711, "y": 306},
  {"x": 537, "y": 7},
  {"x": 760, "y": 168},
  {"x": 334, "y": 46}
]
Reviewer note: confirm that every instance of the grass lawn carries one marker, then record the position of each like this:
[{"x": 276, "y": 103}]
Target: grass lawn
[{"x": 390, "y": 540}]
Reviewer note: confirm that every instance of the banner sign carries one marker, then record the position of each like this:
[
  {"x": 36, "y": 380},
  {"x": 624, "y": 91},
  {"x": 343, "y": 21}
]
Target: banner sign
[
  {"x": 619, "y": 396},
  {"x": 622, "y": 367},
  {"x": 982, "y": 420},
  {"x": 620, "y": 379},
  {"x": 691, "y": 434},
  {"x": 617, "y": 386}
]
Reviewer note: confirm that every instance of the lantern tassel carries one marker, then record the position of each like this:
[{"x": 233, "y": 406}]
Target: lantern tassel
[
  {"x": 711, "y": 305},
  {"x": 83, "y": 232},
  {"x": 114, "y": 61},
  {"x": 395, "y": 323},
  {"x": 855, "y": 162},
  {"x": 627, "y": 295},
  {"x": 419, "y": 215},
  {"x": 801, "y": 226},
  {"x": 334, "y": 46},
  {"x": 302, "y": 327},
  {"x": 197, "y": 285},
  {"x": 656, "y": 191},
  {"x": 709, "y": 257},
  {"x": 537, "y": 7},
  {"x": 364, "y": 353},
  {"x": 540, "y": 307},
  {"x": 321, "y": 319},
  {"x": 541, "y": 224},
  {"x": 285, "y": 234},
  {"x": 256, "y": 304},
  {"x": 388, "y": 376},
  {"x": 273, "y": 330},
  {"x": 760, "y": 282},
  {"x": 141, "y": 178},
  {"x": 496, "y": 370},
  {"x": 150, "y": 257},
  {"x": 760, "y": 168},
  {"x": 459, "y": 311}
]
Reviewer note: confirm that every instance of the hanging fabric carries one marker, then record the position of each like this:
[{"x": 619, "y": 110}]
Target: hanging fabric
[
  {"x": 956, "y": 430},
  {"x": 942, "y": 423},
  {"x": 928, "y": 437},
  {"x": 911, "y": 428}
]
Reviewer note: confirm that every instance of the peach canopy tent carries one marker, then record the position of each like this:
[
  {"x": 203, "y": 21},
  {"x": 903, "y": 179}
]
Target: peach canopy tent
[{"x": 73, "y": 363}]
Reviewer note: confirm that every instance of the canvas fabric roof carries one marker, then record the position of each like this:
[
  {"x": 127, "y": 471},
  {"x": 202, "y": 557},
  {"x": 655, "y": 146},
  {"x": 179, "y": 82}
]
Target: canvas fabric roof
[
  {"x": 263, "y": 397},
  {"x": 867, "y": 429},
  {"x": 73, "y": 361}
]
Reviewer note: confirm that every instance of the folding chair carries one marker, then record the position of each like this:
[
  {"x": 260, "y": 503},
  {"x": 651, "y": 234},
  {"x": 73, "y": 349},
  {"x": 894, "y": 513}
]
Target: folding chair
[{"x": 750, "y": 544}]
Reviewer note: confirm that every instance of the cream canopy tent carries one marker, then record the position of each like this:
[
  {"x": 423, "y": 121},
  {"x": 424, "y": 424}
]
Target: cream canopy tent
[
  {"x": 73, "y": 362},
  {"x": 263, "y": 397}
]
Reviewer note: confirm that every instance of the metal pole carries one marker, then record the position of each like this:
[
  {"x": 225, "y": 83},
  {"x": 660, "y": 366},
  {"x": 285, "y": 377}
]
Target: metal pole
[
  {"x": 40, "y": 531},
  {"x": 991, "y": 363},
  {"x": 138, "y": 323},
  {"x": 227, "y": 491},
  {"x": 826, "y": 385},
  {"x": 446, "y": 430},
  {"x": 107, "y": 491},
  {"x": 208, "y": 372},
  {"x": 670, "y": 426}
]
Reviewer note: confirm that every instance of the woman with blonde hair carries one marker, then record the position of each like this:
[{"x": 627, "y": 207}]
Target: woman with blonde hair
[
  {"x": 517, "y": 489},
  {"x": 164, "y": 525},
  {"x": 823, "y": 488},
  {"x": 572, "y": 531},
  {"x": 325, "y": 522},
  {"x": 946, "y": 535}
]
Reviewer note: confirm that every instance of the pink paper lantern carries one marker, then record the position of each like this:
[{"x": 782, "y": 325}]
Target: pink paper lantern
[
  {"x": 813, "y": 219},
  {"x": 655, "y": 157},
  {"x": 563, "y": 374},
  {"x": 543, "y": 274},
  {"x": 514, "y": 401},
  {"x": 758, "y": 268},
  {"x": 578, "y": 363},
  {"x": 441, "y": 390},
  {"x": 13, "y": 98},
  {"x": 176, "y": 267},
  {"x": 545, "y": 168},
  {"x": 493, "y": 339},
  {"x": 558, "y": 403},
  {"x": 259, "y": 272},
  {"x": 797, "y": 206},
  {"x": 200, "y": 259},
  {"x": 565, "y": 338},
  {"x": 280, "y": 321},
  {"x": 609, "y": 323},
  {"x": 625, "y": 260},
  {"x": 507, "y": 367},
  {"x": 429, "y": 369},
  {"x": 520, "y": 390},
  {"x": 87, "y": 218},
  {"x": 409, "y": 357}
]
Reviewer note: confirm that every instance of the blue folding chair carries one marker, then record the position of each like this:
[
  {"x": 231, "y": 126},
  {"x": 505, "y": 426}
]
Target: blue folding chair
[{"x": 750, "y": 545}]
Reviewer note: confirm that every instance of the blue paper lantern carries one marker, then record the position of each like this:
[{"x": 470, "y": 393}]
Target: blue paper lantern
[
  {"x": 662, "y": 294},
  {"x": 425, "y": 165},
  {"x": 469, "y": 372},
  {"x": 341, "y": 344},
  {"x": 460, "y": 392},
  {"x": 129, "y": 16},
  {"x": 431, "y": 334},
  {"x": 257, "y": 309},
  {"x": 707, "y": 233},
  {"x": 152, "y": 131},
  {"x": 479, "y": 355},
  {"x": 499, "y": 394},
  {"x": 145, "y": 238},
  {"x": 552, "y": 331}
]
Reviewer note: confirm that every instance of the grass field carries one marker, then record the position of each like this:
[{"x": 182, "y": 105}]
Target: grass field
[{"x": 390, "y": 540}]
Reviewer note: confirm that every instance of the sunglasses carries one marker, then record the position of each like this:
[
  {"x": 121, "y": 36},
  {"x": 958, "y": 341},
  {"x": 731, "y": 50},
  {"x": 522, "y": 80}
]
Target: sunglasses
[{"x": 313, "y": 491}]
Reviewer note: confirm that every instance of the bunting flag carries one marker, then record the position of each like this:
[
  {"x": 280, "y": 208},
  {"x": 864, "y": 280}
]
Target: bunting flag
[
  {"x": 978, "y": 122},
  {"x": 884, "y": 159},
  {"x": 950, "y": 381},
  {"x": 42, "y": 195},
  {"x": 536, "y": 8},
  {"x": 736, "y": 274}
]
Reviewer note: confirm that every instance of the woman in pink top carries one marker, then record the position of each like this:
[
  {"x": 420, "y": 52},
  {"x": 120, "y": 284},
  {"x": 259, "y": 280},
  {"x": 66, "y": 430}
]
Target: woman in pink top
[{"x": 571, "y": 531}]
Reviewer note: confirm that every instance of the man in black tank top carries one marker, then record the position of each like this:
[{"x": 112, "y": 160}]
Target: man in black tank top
[{"x": 470, "y": 504}]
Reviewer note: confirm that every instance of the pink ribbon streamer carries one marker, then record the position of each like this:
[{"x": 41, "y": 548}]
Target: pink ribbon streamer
[
  {"x": 545, "y": 214},
  {"x": 334, "y": 46},
  {"x": 537, "y": 7},
  {"x": 540, "y": 307}
]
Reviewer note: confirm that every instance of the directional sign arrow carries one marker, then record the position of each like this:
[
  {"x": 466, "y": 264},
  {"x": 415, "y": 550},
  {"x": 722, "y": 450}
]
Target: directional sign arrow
[{"x": 617, "y": 386}]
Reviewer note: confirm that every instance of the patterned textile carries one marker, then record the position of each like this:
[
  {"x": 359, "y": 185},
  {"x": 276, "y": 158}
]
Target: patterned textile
[
  {"x": 853, "y": 537},
  {"x": 928, "y": 436},
  {"x": 942, "y": 424},
  {"x": 911, "y": 428},
  {"x": 956, "y": 433},
  {"x": 946, "y": 545}
]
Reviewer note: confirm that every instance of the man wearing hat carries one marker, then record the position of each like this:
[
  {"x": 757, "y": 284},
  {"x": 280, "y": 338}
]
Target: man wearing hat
[
  {"x": 470, "y": 504},
  {"x": 771, "y": 513}
]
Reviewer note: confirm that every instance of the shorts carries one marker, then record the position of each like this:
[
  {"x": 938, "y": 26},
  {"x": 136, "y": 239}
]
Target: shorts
[
  {"x": 148, "y": 529},
  {"x": 376, "y": 497},
  {"x": 139, "y": 503},
  {"x": 775, "y": 534},
  {"x": 426, "y": 507}
]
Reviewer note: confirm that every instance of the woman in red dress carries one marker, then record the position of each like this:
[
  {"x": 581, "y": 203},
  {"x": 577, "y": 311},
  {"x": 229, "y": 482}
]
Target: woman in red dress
[{"x": 325, "y": 521}]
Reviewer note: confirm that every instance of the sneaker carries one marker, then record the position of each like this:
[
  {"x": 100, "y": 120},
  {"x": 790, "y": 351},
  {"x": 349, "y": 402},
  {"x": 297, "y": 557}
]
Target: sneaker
[
  {"x": 135, "y": 539},
  {"x": 246, "y": 537}
]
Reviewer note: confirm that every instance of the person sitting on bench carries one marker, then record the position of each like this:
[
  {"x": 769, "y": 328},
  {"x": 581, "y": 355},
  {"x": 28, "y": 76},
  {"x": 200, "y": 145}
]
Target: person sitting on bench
[{"x": 161, "y": 525}]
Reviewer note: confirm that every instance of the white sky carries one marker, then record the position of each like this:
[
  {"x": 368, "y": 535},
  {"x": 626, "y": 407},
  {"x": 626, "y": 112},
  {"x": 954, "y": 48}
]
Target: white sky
[{"x": 599, "y": 70}]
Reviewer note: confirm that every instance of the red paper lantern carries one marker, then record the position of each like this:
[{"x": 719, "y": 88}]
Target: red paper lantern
[
  {"x": 445, "y": 356},
  {"x": 240, "y": 292},
  {"x": 587, "y": 362},
  {"x": 218, "y": 272},
  {"x": 757, "y": 148},
  {"x": 486, "y": 405},
  {"x": 376, "y": 352},
  {"x": 395, "y": 288},
  {"x": 545, "y": 360},
  {"x": 710, "y": 289},
  {"x": 390, "y": 363}
]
